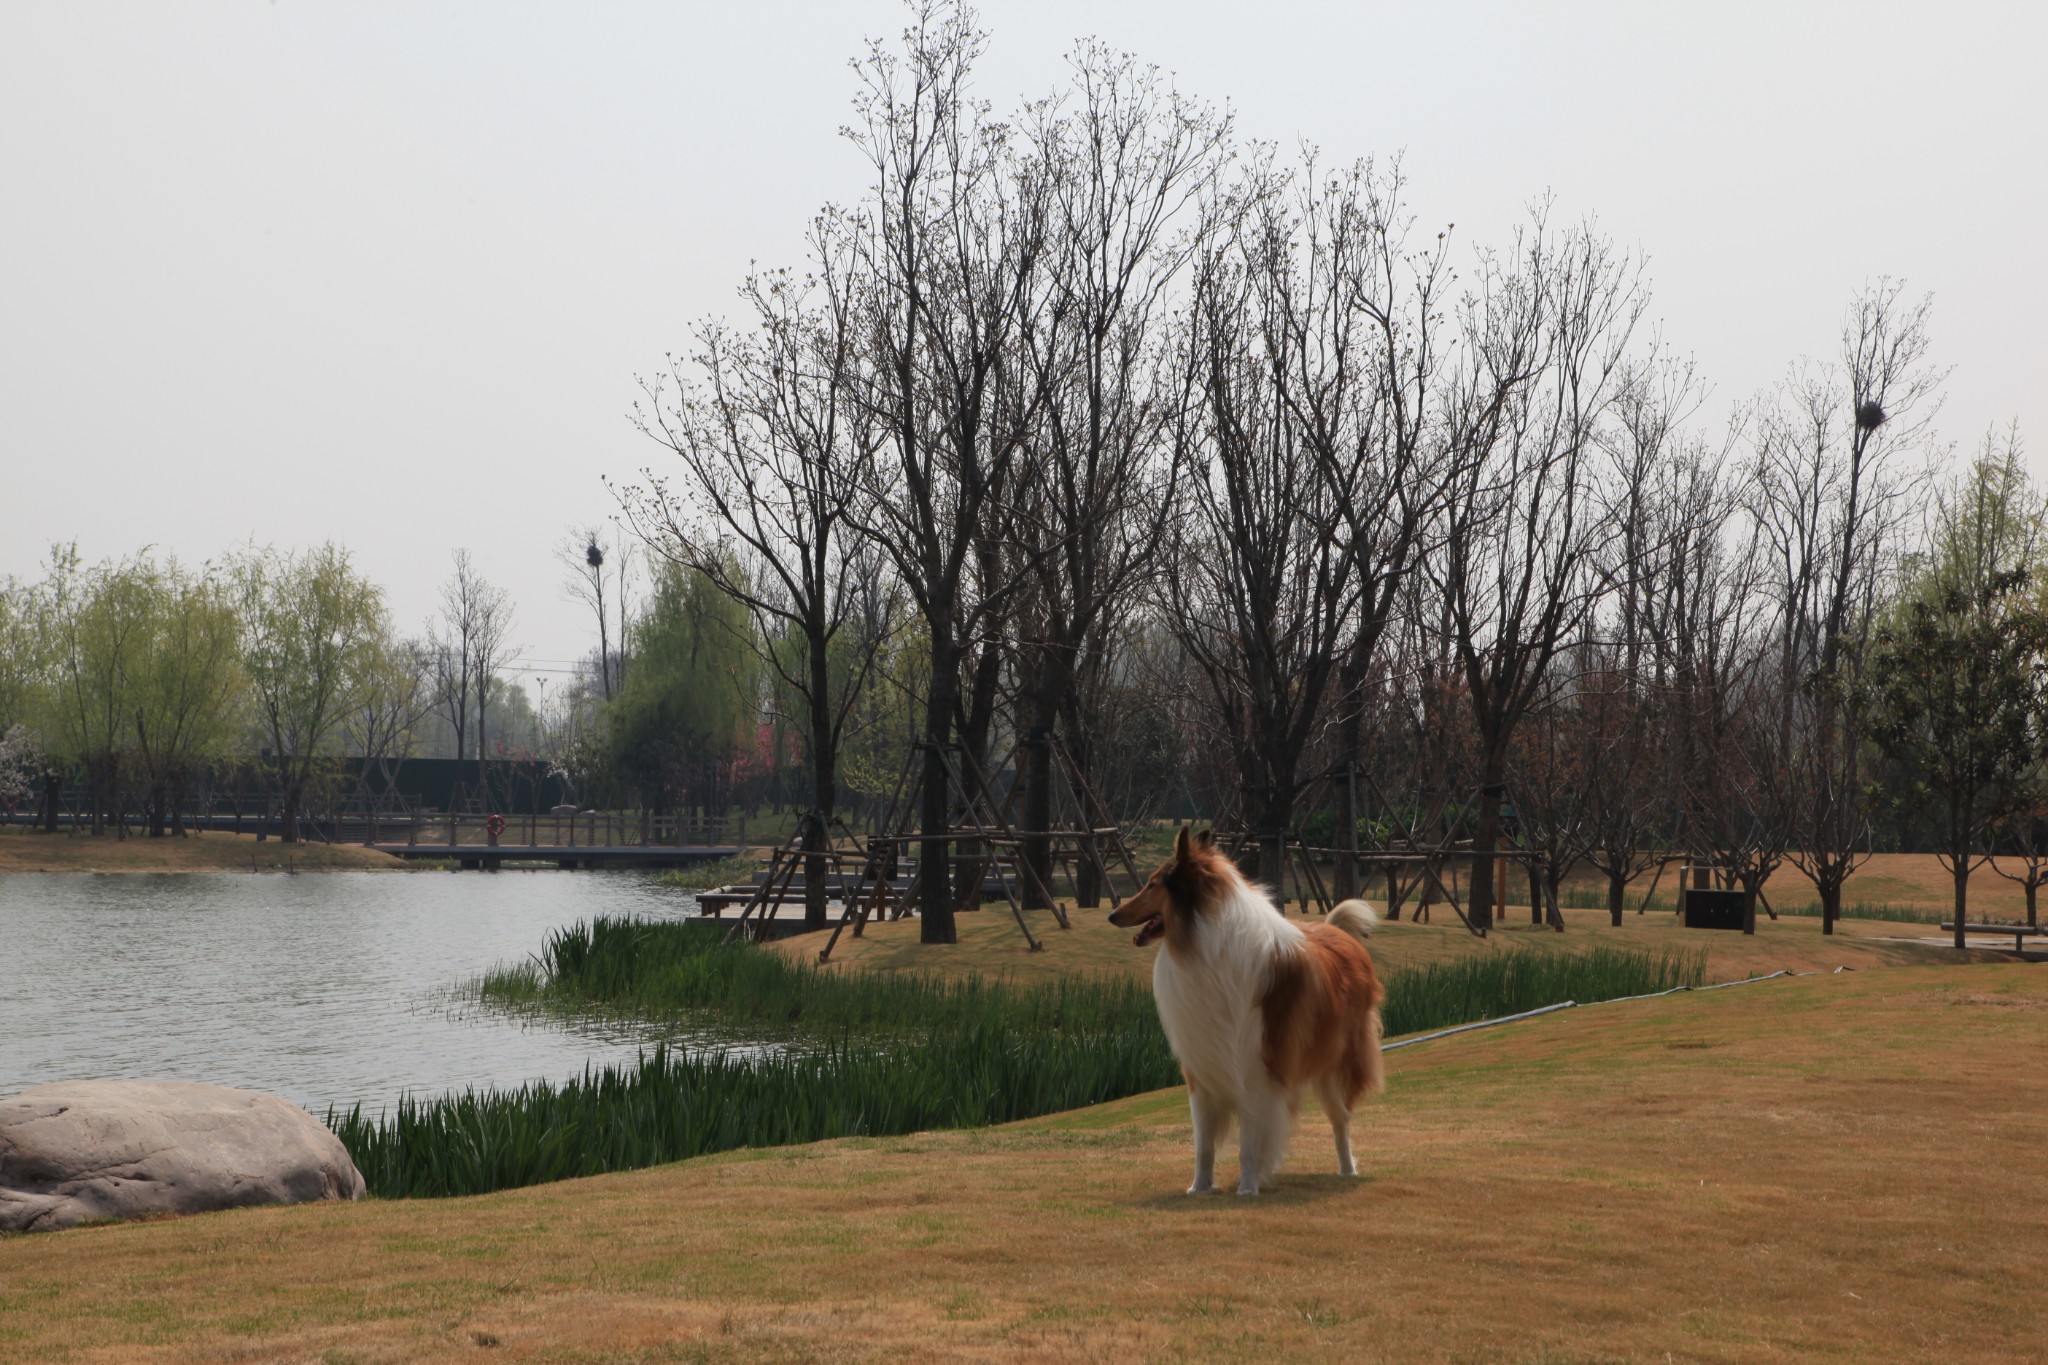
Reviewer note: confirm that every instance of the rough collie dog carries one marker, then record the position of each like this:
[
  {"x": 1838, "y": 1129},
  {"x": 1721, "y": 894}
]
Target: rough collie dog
[{"x": 1257, "y": 1008}]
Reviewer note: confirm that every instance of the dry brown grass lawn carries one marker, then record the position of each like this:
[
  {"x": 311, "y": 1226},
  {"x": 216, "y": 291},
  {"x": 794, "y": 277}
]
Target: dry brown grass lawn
[
  {"x": 1801, "y": 1168},
  {"x": 24, "y": 851},
  {"x": 990, "y": 944}
]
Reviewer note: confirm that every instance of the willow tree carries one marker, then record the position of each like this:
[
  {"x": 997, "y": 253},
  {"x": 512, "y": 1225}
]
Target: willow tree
[
  {"x": 310, "y": 624},
  {"x": 690, "y": 702},
  {"x": 97, "y": 622},
  {"x": 187, "y": 690}
]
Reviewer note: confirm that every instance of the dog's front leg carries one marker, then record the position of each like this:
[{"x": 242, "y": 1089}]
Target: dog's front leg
[
  {"x": 1261, "y": 1138},
  {"x": 1211, "y": 1116}
]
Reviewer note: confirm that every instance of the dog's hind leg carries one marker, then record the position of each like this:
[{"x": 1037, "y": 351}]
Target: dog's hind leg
[
  {"x": 1336, "y": 1106},
  {"x": 1262, "y": 1125},
  {"x": 1211, "y": 1117}
]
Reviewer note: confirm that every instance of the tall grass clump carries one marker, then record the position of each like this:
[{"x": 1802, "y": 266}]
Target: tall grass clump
[
  {"x": 1885, "y": 910},
  {"x": 673, "y": 1105},
  {"x": 1595, "y": 898},
  {"x": 1464, "y": 991},
  {"x": 666, "y": 969},
  {"x": 713, "y": 873}
]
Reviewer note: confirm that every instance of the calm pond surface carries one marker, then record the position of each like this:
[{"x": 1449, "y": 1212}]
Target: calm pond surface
[{"x": 323, "y": 988}]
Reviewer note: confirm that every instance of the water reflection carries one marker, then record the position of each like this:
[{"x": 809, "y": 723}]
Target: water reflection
[{"x": 321, "y": 988}]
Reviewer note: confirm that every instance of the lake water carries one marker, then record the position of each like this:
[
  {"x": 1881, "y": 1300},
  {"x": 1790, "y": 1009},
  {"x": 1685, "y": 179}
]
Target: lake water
[{"x": 327, "y": 988}]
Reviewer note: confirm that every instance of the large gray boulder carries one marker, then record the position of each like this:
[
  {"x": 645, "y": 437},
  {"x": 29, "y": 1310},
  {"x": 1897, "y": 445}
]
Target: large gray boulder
[{"x": 78, "y": 1151}]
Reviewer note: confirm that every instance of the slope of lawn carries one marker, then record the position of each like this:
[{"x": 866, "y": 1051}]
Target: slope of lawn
[{"x": 1797, "y": 1169}]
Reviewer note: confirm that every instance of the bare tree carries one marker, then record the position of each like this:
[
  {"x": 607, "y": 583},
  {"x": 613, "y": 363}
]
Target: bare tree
[
  {"x": 470, "y": 643},
  {"x": 1664, "y": 483},
  {"x": 1263, "y": 592},
  {"x": 582, "y": 554},
  {"x": 1547, "y": 333},
  {"x": 775, "y": 449},
  {"x": 491, "y": 649},
  {"x": 1127, "y": 166},
  {"x": 1366, "y": 321},
  {"x": 947, "y": 243},
  {"x": 1828, "y": 497}
]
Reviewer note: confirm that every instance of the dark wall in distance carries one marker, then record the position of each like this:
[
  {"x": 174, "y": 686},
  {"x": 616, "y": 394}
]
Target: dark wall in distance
[{"x": 518, "y": 785}]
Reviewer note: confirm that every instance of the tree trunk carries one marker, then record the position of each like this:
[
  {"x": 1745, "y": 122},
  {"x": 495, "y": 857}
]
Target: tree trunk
[
  {"x": 1617, "y": 894},
  {"x": 483, "y": 777},
  {"x": 1090, "y": 878},
  {"x": 1349, "y": 880},
  {"x": 816, "y": 840},
  {"x": 1831, "y": 902},
  {"x": 934, "y": 886},
  {"x": 1350, "y": 734},
  {"x": 2033, "y": 888},
  {"x": 53, "y": 795},
  {"x": 1035, "y": 818},
  {"x": 1277, "y": 819},
  {"x": 156, "y": 812},
  {"x": 1961, "y": 874},
  {"x": 1485, "y": 840},
  {"x": 1393, "y": 891},
  {"x": 1538, "y": 875},
  {"x": 288, "y": 811}
]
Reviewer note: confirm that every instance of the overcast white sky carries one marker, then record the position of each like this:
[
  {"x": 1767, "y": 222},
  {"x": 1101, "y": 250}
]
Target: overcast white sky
[{"x": 386, "y": 273}]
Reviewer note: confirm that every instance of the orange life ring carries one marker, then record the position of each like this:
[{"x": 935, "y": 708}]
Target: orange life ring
[{"x": 494, "y": 824}]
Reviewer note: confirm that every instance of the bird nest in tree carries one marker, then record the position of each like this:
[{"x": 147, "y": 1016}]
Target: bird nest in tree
[{"x": 1870, "y": 415}]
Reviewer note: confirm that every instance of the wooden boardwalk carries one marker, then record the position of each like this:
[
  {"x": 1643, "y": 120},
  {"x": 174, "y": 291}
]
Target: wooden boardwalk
[{"x": 568, "y": 857}]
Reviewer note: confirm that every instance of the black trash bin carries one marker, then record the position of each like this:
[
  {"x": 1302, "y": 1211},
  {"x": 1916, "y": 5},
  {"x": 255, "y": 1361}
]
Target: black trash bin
[{"x": 1712, "y": 909}]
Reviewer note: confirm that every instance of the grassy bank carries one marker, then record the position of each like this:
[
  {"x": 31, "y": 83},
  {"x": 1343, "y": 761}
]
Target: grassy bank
[
  {"x": 26, "y": 850},
  {"x": 866, "y": 1054},
  {"x": 717, "y": 872}
]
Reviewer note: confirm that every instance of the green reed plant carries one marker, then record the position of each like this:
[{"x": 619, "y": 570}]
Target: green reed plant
[
  {"x": 706, "y": 875},
  {"x": 1884, "y": 910},
  {"x": 860, "y": 1053},
  {"x": 673, "y": 1105},
  {"x": 665, "y": 969},
  {"x": 1466, "y": 990}
]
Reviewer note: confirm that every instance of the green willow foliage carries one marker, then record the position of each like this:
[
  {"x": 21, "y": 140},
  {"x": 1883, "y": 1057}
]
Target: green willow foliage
[
  {"x": 689, "y": 698},
  {"x": 862, "y": 1054}
]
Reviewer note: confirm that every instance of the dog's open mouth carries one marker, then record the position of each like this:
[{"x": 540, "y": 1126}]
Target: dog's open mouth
[{"x": 1152, "y": 928}]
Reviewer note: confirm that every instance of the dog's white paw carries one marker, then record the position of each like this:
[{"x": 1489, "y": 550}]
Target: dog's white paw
[
  {"x": 1201, "y": 1189},
  {"x": 1247, "y": 1189}
]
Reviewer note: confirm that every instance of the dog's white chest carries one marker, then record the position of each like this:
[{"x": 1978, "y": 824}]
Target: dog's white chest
[{"x": 1211, "y": 1020}]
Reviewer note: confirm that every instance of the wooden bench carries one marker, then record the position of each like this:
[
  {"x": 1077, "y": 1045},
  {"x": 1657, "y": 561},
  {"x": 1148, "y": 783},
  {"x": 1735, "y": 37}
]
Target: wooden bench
[{"x": 2020, "y": 932}]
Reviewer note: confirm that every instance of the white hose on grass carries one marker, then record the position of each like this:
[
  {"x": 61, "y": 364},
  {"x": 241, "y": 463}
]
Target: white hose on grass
[{"x": 1573, "y": 1004}]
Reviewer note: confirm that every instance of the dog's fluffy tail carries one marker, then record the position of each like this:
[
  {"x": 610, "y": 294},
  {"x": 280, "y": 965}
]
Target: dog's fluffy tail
[{"x": 1355, "y": 918}]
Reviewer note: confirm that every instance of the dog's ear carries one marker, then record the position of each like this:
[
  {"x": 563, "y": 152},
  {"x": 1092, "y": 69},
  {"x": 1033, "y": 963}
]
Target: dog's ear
[
  {"x": 1181, "y": 845},
  {"x": 1207, "y": 839}
]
